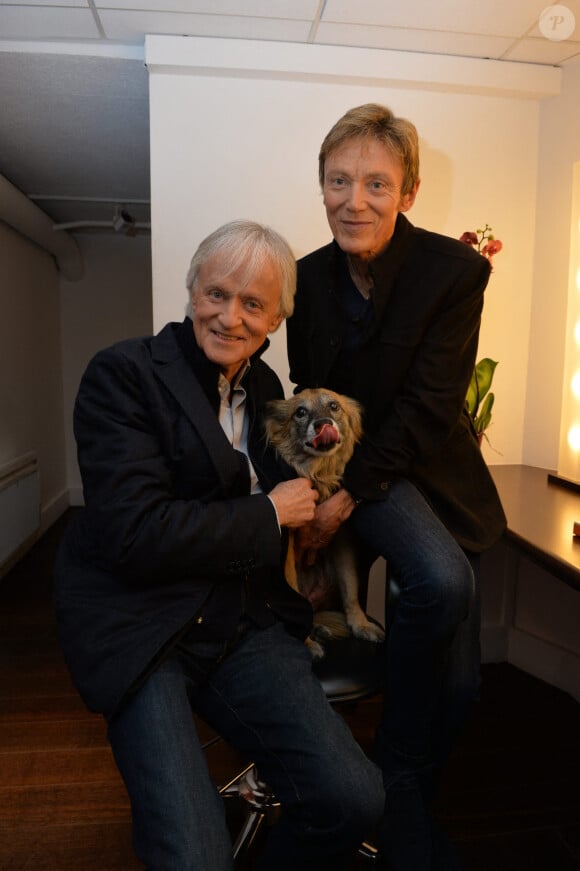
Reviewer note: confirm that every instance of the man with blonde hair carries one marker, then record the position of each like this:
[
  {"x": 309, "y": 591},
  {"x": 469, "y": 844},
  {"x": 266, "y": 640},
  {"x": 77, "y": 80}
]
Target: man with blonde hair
[{"x": 389, "y": 314}]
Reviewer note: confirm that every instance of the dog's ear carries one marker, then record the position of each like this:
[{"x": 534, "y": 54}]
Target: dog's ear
[
  {"x": 277, "y": 409},
  {"x": 353, "y": 410},
  {"x": 276, "y": 416}
]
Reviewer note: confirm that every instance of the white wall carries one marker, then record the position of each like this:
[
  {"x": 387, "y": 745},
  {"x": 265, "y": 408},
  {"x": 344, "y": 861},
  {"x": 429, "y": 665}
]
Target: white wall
[
  {"x": 227, "y": 144},
  {"x": 49, "y": 329},
  {"x": 111, "y": 302},
  {"x": 31, "y": 394},
  {"x": 559, "y": 149}
]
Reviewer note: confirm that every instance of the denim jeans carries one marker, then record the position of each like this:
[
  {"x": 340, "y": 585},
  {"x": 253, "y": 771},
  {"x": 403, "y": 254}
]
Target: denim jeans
[
  {"x": 264, "y": 700},
  {"x": 433, "y": 661}
]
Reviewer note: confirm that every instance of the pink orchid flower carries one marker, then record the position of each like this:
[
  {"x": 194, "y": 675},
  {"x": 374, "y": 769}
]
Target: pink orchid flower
[{"x": 483, "y": 241}]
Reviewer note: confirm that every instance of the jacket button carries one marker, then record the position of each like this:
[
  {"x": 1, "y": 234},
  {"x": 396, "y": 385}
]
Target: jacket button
[
  {"x": 199, "y": 620},
  {"x": 384, "y": 485}
]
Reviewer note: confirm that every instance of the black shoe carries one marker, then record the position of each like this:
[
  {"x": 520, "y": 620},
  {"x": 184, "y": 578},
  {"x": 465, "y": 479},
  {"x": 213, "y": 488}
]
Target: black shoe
[
  {"x": 444, "y": 856},
  {"x": 404, "y": 832}
]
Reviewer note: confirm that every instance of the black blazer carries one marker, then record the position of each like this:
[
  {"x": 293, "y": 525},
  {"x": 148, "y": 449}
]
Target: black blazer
[
  {"x": 412, "y": 375},
  {"x": 169, "y": 516}
]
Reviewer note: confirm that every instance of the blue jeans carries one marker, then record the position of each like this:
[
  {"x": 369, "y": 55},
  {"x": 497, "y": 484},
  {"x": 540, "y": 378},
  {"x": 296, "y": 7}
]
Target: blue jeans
[
  {"x": 264, "y": 700},
  {"x": 433, "y": 661}
]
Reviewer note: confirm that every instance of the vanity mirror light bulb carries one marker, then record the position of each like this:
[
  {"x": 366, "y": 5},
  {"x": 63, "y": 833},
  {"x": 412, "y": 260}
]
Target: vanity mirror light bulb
[
  {"x": 575, "y": 385},
  {"x": 574, "y": 437}
]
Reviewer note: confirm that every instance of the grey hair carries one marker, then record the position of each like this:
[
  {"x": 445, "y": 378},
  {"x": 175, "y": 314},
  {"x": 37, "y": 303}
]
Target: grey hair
[{"x": 248, "y": 243}]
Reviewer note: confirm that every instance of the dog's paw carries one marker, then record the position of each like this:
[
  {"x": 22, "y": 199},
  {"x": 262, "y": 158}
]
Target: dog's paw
[
  {"x": 321, "y": 632},
  {"x": 368, "y": 631},
  {"x": 316, "y": 649}
]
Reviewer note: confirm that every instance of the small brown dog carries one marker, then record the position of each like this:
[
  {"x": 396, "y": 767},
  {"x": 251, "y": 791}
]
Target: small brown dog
[{"x": 315, "y": 432}]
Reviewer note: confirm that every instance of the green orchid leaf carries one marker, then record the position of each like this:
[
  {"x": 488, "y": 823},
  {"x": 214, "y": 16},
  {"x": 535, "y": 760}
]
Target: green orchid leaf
[
  {"x": 483, "y": 419},
  {"x": 480, "y": 384}
]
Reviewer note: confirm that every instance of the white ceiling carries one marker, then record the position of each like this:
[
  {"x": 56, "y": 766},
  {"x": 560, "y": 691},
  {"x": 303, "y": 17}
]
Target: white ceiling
[{"x": 75, "y": 124}]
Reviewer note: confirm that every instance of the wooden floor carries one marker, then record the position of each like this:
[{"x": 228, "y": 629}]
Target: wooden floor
[{"x": 510, "y": 800}]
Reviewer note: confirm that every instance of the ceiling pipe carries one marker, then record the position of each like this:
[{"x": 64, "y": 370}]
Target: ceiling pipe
[
  {"x": 62, "y": 199},
  {"x": 24, "y": 216},
  {"x": 102, "y": 225},
  {"x": 121, "y": 222}
]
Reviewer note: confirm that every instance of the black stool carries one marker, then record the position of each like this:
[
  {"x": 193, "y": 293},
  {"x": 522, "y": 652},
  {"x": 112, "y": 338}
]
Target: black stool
[{"x": 351, "y": 670}]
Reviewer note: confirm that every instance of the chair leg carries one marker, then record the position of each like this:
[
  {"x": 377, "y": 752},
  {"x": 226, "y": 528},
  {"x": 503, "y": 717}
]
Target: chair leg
[
  {"x": 231, "y": 788},
  {"x": 262, "y": 805},
  {"x": 367, "y": 852},
  {"x": 247, "y": 834}
]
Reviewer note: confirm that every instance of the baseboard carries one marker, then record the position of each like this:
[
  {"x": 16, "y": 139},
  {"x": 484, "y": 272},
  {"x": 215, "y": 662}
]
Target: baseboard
[
  {"x": 49, "y": 514},
  {"x": 51, "y": 511},
  {"x": 550, "y": 663},
  {"x": 76, "y": 497},
  {"x": 494, "y": 644},
  {"x": 21, "y": 551}
]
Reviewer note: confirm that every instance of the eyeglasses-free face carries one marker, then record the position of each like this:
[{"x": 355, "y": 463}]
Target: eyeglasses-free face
[
  {"x": 233, "y": 315},
  {"x": 362, "y": 196}
]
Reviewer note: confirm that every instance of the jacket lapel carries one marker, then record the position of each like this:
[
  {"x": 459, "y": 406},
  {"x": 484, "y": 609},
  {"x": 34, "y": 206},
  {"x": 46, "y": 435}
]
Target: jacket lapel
[
  {"x": 385, "y": 269},
  {"x": 176, "y": 373}
]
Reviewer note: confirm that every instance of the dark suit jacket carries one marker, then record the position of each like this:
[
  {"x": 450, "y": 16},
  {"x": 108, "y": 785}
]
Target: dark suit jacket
[
  {"x": 169, "y": 517},
  {"x": 412, "y": 375}
]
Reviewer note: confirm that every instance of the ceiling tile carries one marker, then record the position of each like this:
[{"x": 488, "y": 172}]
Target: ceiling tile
[
  {"x": 509, "y": 19},
  {"x": 407, "y": 39},
  {"x": 542, "y": 51},
  {"x": 82, "y": 3},
  {"x": 293, "y": 9},
  {"x": 43, "y": 22},
  {"x": 76, "y": 126},
  {"x": 127, "y": 25}
]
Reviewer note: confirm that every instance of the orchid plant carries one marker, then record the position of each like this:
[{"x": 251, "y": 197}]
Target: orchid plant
[
  {"x": 479, "y": 399},
  {"x": 483, "y": 241}
]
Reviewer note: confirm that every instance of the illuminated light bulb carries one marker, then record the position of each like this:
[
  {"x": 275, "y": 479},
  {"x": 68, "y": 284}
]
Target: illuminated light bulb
[{"x": 574, "y": 438}]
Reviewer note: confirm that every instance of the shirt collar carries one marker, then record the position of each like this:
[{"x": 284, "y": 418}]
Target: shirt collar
[
  {"x": 225, "y": 388},
  {"x": 208, "y": 373}
]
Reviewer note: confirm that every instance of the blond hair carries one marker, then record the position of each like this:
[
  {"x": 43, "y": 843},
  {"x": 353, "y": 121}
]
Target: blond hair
[{"x": 373, "y": 121}]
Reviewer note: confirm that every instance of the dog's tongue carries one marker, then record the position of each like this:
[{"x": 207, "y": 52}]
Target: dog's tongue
[{"x": 326, "y": 435}]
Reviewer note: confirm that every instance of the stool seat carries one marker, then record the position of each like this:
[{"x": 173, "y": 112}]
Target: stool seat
[{"x": 351, "y": 668}]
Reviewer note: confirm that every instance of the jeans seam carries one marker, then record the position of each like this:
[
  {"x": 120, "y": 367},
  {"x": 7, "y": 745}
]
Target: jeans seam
[{"x": 259, "y": 738}]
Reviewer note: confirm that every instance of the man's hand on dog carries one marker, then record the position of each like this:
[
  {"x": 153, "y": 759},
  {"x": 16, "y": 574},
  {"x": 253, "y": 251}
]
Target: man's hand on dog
[
  {"x": 295, "y": 502},
  {"x": 318, "y": 533}
]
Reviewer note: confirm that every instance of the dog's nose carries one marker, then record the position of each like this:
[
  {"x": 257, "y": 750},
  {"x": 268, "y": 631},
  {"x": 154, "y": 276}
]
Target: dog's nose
[{"x": 321, "y": 422}]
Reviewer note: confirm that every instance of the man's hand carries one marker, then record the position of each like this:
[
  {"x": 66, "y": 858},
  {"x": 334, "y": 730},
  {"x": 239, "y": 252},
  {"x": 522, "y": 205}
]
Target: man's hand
[
  {"x": 317, "y": 534},
  {"x": 294, "y": 501}
]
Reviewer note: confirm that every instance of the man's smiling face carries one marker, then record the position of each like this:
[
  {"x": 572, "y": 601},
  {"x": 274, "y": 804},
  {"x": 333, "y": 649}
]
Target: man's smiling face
[
  {"x": 362, "y": 195},
  {"x": 233, "y": 314}
]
